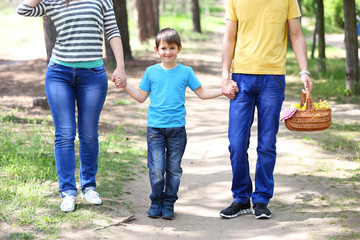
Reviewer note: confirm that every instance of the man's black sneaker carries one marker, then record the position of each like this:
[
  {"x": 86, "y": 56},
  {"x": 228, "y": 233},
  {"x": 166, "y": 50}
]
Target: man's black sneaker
[
  {"x": 261, "y": 211},
  {"x": 235, "y": 209}
]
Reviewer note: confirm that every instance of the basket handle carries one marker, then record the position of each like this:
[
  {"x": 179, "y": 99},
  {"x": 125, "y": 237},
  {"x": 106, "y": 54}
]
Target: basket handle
[{"x": 306, "y": 98}]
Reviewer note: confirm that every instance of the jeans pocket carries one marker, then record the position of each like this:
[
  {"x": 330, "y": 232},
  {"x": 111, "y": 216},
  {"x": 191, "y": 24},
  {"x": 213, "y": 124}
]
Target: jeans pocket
[
  {"x": 152, "y": 133},
  {"x": 280, "y": 81},
  {"x": 180, "y": 130},
  {"x": 52, "y": 64},
  {"x": 99, "y": 69}
]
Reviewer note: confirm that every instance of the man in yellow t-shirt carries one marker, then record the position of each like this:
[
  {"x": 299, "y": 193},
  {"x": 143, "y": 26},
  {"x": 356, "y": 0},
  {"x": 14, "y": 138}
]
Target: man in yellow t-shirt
[{"x": 255, "y": 43}]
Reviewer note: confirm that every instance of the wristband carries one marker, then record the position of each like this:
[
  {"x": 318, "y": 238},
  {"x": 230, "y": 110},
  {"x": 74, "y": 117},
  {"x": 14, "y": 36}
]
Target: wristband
[{"x": 304, "y": 72}]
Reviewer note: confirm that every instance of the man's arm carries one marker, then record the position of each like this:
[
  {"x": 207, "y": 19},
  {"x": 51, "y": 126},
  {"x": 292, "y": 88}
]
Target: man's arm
[
  {"x": 229, "y": 87},
  {"x": 299, "y": 46}
]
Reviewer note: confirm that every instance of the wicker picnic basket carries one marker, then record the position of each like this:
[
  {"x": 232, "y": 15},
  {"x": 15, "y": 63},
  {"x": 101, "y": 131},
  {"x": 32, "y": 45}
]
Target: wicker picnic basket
[{"x": 309, "y": 119}]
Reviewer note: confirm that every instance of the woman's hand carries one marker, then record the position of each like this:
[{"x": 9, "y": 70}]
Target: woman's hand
[{"x": 119, "y": 78}]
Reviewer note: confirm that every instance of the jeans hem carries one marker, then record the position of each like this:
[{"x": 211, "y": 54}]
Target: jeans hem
[{"x": 68, "y": 192}]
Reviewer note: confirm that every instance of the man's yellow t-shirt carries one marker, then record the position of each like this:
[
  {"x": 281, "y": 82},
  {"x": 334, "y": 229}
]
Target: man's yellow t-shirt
[{"x": 262, "y": 34}]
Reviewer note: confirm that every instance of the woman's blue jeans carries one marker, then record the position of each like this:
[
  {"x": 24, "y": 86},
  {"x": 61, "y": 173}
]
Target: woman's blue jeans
[
  {"x": 266, "y": 93},
  {"x": 85, "y": 88},
  {"x": 166, "y": 147}
]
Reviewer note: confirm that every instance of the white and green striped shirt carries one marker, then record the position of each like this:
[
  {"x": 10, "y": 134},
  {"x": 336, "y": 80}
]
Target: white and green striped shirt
[{"x": 79, "y": 27}]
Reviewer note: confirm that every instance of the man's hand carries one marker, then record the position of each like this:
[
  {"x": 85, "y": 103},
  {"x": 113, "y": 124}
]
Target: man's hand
[
  {"x": 229, "y": 88},
  {"x": 305, "y": 79},
  {"x": 119, "y": 78}
]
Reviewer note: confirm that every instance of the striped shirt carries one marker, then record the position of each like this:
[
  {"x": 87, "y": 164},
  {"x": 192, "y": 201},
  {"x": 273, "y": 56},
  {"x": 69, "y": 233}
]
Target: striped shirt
[{"x": 79, "y": 27}]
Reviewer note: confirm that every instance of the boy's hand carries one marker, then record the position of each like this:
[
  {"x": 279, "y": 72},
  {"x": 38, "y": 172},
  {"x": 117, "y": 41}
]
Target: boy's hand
[
  {"x": 119, "y": 78},
  {"x": 229, "y": 88},
  {"x": 119, "y": 83}
]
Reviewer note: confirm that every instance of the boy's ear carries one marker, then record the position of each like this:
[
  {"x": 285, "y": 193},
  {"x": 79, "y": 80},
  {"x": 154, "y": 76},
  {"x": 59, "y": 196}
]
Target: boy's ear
[
  {"x": 180, "y": 47},
  {"x": 155, "y": 49}
]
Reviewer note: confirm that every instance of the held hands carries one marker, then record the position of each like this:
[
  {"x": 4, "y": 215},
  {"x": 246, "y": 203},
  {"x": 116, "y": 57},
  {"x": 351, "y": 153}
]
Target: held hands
[
  {"x": 229, "y": 88},
  {"x": 119, "y": 78}
]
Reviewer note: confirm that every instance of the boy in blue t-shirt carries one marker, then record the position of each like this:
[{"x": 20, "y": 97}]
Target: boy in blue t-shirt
[{"x": 166, "y": 83}]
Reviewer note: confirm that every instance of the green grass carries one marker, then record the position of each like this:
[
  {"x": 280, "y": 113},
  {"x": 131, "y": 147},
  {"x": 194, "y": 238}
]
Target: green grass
[
  {"x": 124, "y": 102},
  {"x": 341, "y": 137},
  {"x": 330, "y": 85},
  {"x": 29, "y": 197}
]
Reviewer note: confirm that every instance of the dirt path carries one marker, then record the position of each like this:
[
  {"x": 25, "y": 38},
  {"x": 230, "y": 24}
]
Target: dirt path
[
  {"x": 302, "y": 177},
  {"x": 304, "y": 184}
]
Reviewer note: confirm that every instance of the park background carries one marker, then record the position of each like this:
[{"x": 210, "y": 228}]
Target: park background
[{"x": 323, "y": 174}]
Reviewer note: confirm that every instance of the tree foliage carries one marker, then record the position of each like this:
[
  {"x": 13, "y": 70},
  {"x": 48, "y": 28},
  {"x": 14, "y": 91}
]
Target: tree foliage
[{"x": 333, "y": 11}]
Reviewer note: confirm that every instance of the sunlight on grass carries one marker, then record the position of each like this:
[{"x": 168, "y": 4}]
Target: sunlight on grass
[{"x": 29, "y": 192}]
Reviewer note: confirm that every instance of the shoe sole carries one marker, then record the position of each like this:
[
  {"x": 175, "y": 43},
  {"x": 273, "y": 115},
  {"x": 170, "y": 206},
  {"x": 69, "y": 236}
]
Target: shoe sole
[
  {"x": 241, "y": 212},
  {"x": 67, "y": 211},
  {"x": 168, "y": 218},
  {"x": 263, "y": 216},
  {"x": 153, "y": 216}
]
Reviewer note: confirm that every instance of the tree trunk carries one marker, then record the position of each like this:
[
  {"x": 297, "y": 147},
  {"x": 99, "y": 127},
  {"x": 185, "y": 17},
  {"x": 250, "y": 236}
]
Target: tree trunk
[
  {"x": 140, "y": 19},
  {"x": 351, "y": 47},
  {"x": 147, "y": 19},
  {"x": 314, "y": 35},
  {"x": 122, "y": 22},
  {"x": 321, "y": 36},
  {"x": 50, "y": 35},
  {"x": 156, "y": 4},
  {"x": 196, "y": 15},
  {"x": 150, "y": 19},
  {"x": 183, "y": 6}
]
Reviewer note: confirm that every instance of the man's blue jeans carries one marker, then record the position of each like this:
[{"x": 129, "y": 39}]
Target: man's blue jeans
[
  {"x": 266, "y": 93},
  {"x": 85, "y": 88},
  {"x": 166, "y": 147}
]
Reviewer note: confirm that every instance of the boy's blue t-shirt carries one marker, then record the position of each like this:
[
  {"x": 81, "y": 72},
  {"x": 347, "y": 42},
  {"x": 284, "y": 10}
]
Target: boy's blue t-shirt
[{"x": 167, "y": 94}]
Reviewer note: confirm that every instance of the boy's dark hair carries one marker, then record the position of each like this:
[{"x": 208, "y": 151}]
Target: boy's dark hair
[{"x": 169, "y": 36}]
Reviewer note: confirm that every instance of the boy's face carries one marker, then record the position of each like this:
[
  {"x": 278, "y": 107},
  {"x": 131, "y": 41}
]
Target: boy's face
[{"x": 167, "y": 52}]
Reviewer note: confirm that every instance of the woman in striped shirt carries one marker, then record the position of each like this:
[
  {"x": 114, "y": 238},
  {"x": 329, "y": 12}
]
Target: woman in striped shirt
[{"x": 76, "y": 78}]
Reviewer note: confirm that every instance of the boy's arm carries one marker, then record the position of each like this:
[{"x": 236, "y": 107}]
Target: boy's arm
[
  {"x": 208, "y": 93},
  {"x": 137, "y": 94}
]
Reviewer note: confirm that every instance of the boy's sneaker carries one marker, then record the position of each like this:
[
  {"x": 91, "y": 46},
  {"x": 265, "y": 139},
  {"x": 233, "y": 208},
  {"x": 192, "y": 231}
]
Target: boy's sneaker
[
  {"x": 261, "y": 211},
  {"x": 155, "y": 210},
  {"x": 68, "y": 203},
  {"x": 91, "y": 196},
  {"x": 235, "y": 209},
  {"x": 168, "y": 212}
]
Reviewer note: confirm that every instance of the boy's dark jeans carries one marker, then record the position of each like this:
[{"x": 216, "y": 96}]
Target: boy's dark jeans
[{"x": 166, "y": 147}]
